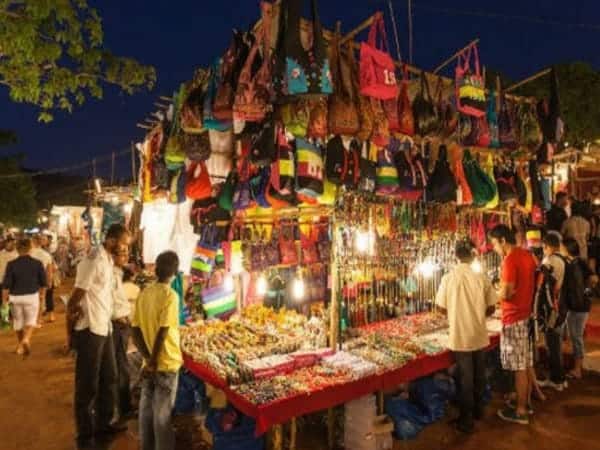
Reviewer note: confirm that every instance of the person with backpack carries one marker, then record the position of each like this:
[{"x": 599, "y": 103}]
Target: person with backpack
[
  {"x": 551, "y": 310},
  {"x": 578, "y": 301}
]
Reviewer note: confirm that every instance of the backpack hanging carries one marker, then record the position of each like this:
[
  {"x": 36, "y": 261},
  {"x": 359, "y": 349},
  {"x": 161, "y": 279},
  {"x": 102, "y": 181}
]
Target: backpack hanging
[
  {"x": 283, "y": 174},
  {"x": 506, "y": 125},
  {"x": 342, "y": 162},
  {"x": 377, "y": 69},
  {"x": 426, "y": 117},
  {"x": 343, "y": 112},
  {"x": 492, "y": 120},
  {"x": 448, "y": 115},
  {"x": 387, "y": 174},
  {"x": 368, "y": 168},
  {"x": 442, "y": 185},
  {"x": 309, "y": 169},
  {"x": 405, "y": 112},
  {"x": 254, "y": 90},
  {"x": 470, "y": 88},
  {"x": 299, "y": 71},
  {"x": 530, "y": 132}
]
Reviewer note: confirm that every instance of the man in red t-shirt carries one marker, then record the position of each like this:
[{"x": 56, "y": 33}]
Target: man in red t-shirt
[{"x": 517, "y": 287}]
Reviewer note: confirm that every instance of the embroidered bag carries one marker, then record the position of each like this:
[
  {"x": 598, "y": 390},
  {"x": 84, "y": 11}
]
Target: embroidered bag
[
  {"x": 530, "y": 132},
  {"x": 506, "y": 125},
  {"x": 407, "y": 120},
  {"x": 263, "y": 147},
  {"x": 283, "y": 173},
  {"x": 426, "y": 117},
  {"x": 342, "y": 162},
  {"x": 377, "y": 69},
  {"x": 209, "y": 121},
  {"x": 470, "y": 88},
  {"x": 343, "y": 113},
  {"x": 297, "y": 70},
  {"x": 309, "y": 169},
  {"x": 295, "y": 116},
  {"x": 381, "y": 129}
]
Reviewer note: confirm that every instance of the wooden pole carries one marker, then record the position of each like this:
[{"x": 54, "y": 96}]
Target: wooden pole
[
  {"x": 293, "y": 432},
  {"x": 144, "y": 126},
  {"x": 352, "y": 34},
  {"x": 277, "y": 438},
  {"x": 527, "y": 80},
  {"x": 334, "y": 307},
  {"x": 456, "y": 55},
  {"x": 330, "y": 428}
]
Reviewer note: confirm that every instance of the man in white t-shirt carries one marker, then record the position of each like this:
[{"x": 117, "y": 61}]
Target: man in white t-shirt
[
  {"x": 8, "y": 254},
  {"x": 468, "y": 298},
  {"x": 89, "y": 314},
  {"x": 47, "y": 261}
]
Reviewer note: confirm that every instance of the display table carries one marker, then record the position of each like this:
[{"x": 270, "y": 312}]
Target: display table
[{"x": 281, "y": 411}]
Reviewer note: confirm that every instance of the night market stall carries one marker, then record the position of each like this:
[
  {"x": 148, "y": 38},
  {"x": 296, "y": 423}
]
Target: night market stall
[{"x": 314, "y": 201}]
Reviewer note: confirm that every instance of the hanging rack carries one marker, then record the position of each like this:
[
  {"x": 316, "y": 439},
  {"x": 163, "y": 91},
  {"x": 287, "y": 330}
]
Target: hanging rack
[
  {"x": 535, "y": 76},
  {"x": 456, "y": 55}
]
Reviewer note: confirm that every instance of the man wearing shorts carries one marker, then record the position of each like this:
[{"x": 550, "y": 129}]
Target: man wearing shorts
[{"x": 517, "y": 286}]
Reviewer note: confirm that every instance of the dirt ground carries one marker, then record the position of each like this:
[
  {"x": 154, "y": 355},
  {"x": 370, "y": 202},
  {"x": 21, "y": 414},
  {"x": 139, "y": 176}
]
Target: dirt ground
[{"x": 36, "y": 410}]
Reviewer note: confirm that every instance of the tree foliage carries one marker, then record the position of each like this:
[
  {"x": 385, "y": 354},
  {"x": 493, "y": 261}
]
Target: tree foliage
[
  {"x": 52, "y": 56},
  {"x": 17, "y": 194},
  {"x": 579, "y": 92}
]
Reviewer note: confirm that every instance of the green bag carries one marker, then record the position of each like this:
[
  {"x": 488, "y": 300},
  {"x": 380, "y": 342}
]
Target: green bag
[
  {"x": 482, "y": 187},
  {"x": 174, "y": 149},
  {"x": 227, "y": 190}
]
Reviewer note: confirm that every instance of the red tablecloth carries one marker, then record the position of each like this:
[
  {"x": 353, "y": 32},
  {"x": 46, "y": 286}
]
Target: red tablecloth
[{"x": 281, "y": 411}]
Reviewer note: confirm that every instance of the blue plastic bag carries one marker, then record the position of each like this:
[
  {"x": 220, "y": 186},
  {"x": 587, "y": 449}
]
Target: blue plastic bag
[
  {"x": 191, "y": 394},
  {"x": 240, "y": 437},
  {"x": 432, "y": 395},
  {"x": 408, "y": 418}
]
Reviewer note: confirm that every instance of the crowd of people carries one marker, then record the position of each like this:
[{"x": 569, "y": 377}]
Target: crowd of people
[{"x": 541, "y": 294}]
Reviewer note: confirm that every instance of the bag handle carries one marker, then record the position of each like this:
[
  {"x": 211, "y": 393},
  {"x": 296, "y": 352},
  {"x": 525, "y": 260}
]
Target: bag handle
[
  {"x": 425, "y": 87},
  {"x": 378, "y": 30}
]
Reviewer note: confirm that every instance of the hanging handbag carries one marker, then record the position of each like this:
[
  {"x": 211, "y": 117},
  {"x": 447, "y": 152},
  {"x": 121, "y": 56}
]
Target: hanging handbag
[
  {"x": 227, "y": 190},
  {"x": 295, "y": 117},
  {"x": 530, "y": 132},
  {"x": 381, "y": 129},
  {"x": 263, "y": 149},
  {"x": 343, "y": 112},
  {"x": 488, "y": 168},
  {"x": 506, "y": 125},
  {"x": 191, "y": 110},
  {"x": 317, "y": 120},
  {"x": 254, "y": 91},
  {"x": 377, "y": 69},
  {"x": 405, "y": 112},
  {"x": 342, "y": 162},
  {"x": 548, "y": 112},
  {"x": 481, "y": 185},
  {"x": 209, "y": 120},
  {"x": 410, "y": 181},
  {"x": 470, "y": 87},
  {"x": 506, "y": 183},
  {"x": 447, "y": 112},
  {"x": 442, "y": 185},
  {"x": 195, "y": 146},
  {"x": 198, "y": 185},
  {"x": 309, "y": 169},
  {"x": 492, "y": 120},
  {"x": 387, "y": 173},
  {"x": 283, "y": 173},
  {"x": 368, "y": 168},
  {"x": 426, "y": 117},
  {"x": 298, "y": 70}
]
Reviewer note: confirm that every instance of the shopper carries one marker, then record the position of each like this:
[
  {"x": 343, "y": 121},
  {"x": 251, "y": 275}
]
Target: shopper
[
  {"x": 554, "y": 321},
  {"x": 156, "y": 334},
  {"x": 23, "y": 286},
  {"x": 89, "y": 318},
  {"x": 467, "y": 298},
  {"x": 578, "y": 300},
  {"x": 517, "y": 284},
  {"x": 122, "y": 332},
  {"x": 7, "y": 254},
  {"x": 556, "y": 217},
  {"x": 47, "y": 261},
  {"x": 578, "y": 227}
]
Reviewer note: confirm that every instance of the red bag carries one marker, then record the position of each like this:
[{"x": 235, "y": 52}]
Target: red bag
[
  {"x": 198, "y": 185},
  {"x": 308, "y": 243},
  {"x": 377, "y": 69},
  {"x": 405, "y": 112},
  {"x": 287, "y": 245}
]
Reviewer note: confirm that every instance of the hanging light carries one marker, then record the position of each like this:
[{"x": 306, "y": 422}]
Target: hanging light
[
  {"x": 476, "y": 266},
  {"x": 298, "y": 288},
  {"x": 98, "y": 185},
  {"x": 228, "y": 282},
  {"x": 261, "y": 285},
  {"x": 427, "y": 268},
  {"x": 364, "y": 242}
]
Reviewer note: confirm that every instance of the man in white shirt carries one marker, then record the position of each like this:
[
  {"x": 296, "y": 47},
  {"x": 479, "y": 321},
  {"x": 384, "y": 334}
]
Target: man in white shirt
[
  {"x": 468, "y": 298},
  {"x": 47, "y": 261},
  {"x": 122, "y": 331},
  {"x": 89, "y": 314},
  {"x": 8, "y": 254}
]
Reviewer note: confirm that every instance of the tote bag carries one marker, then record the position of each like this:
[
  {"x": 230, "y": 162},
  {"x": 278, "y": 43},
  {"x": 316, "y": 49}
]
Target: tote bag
[{"x": 470, "y": 88}]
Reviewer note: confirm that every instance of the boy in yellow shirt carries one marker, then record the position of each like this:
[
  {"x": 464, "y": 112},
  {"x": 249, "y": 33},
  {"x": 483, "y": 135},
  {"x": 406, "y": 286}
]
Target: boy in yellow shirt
[{"x": 156, "y": 335}]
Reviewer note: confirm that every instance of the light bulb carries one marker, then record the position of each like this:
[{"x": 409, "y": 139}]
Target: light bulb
[
  {"x": 98, "y": 185},
  {"x": 476, "y": 266},
  {"x": 228, "y": 283},
  {"x": 364, "y": 242},
  {"x": 427, "y": 269},
  {"x": 298, "y": 288},
  {"x": 261, "y": 285}
]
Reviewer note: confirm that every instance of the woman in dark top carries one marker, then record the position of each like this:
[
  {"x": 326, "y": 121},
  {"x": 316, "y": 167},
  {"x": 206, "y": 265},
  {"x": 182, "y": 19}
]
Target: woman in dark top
[{"x": 23, "y": 287}]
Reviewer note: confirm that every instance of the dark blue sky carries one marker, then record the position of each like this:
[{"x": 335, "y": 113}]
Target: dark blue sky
[{"x": 178, "y": 36}]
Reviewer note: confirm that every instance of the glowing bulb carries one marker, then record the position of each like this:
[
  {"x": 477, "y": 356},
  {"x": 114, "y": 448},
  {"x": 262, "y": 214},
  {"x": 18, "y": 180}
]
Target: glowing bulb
[
  {"x": 298, "y": 288},
  {"x": 114, "y": 200},
  {"x": 98, "y": 185},
  {"x": 476, "y": 266},
  {"x": 427, "y": 269},
  {"x": 228, "y": 283},
  {"x": 261, "y": 286},
  {"x": 364, "y": 242}
]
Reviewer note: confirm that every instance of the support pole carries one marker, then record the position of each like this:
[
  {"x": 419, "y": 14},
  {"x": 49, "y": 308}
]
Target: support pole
[
  {"x": 527, "y": 80},
  {"x": 334, "y": 307},
  {"x": 456, "y": 55},
  {"x": 352, "y": 34},
  {"x": 330, "y": 428},
  {"x": 293, "y": 431},
  {"x": 277, "y": 437}
]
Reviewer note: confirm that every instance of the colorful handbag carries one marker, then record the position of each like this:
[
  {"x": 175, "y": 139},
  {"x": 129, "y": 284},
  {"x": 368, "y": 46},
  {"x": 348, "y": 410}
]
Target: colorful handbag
[
  {"x": 470, "y": 88},
  {"x": 309, "y": 169},
  {"x": 317, "y": 120},
  {"x": 464, "y": 196},
  {"x": 209, "y": 120},
  {"x": 343, "y": 113},
  {"x": 377, "y": 69},
  {"x": 198, "y": 185},
  {"x": 342, "y": 162},
  {"x": 381, "y": 128},
  {"x": 295, "y": 117},
  {"x": 442, "y": 184},
  {"x": 481, "y": 185},
  {"x": 283, "y": 174},
  {"x": 405, "y": 112},
  {"x": 298, "y": 70},
  {"x": 530, "y": 132},
  {"x": 488, "y": 168},
  {"x": 263, "y": 150},
  {"x": 425, "y": 114},
  {"x": 387, "y": 174}
]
